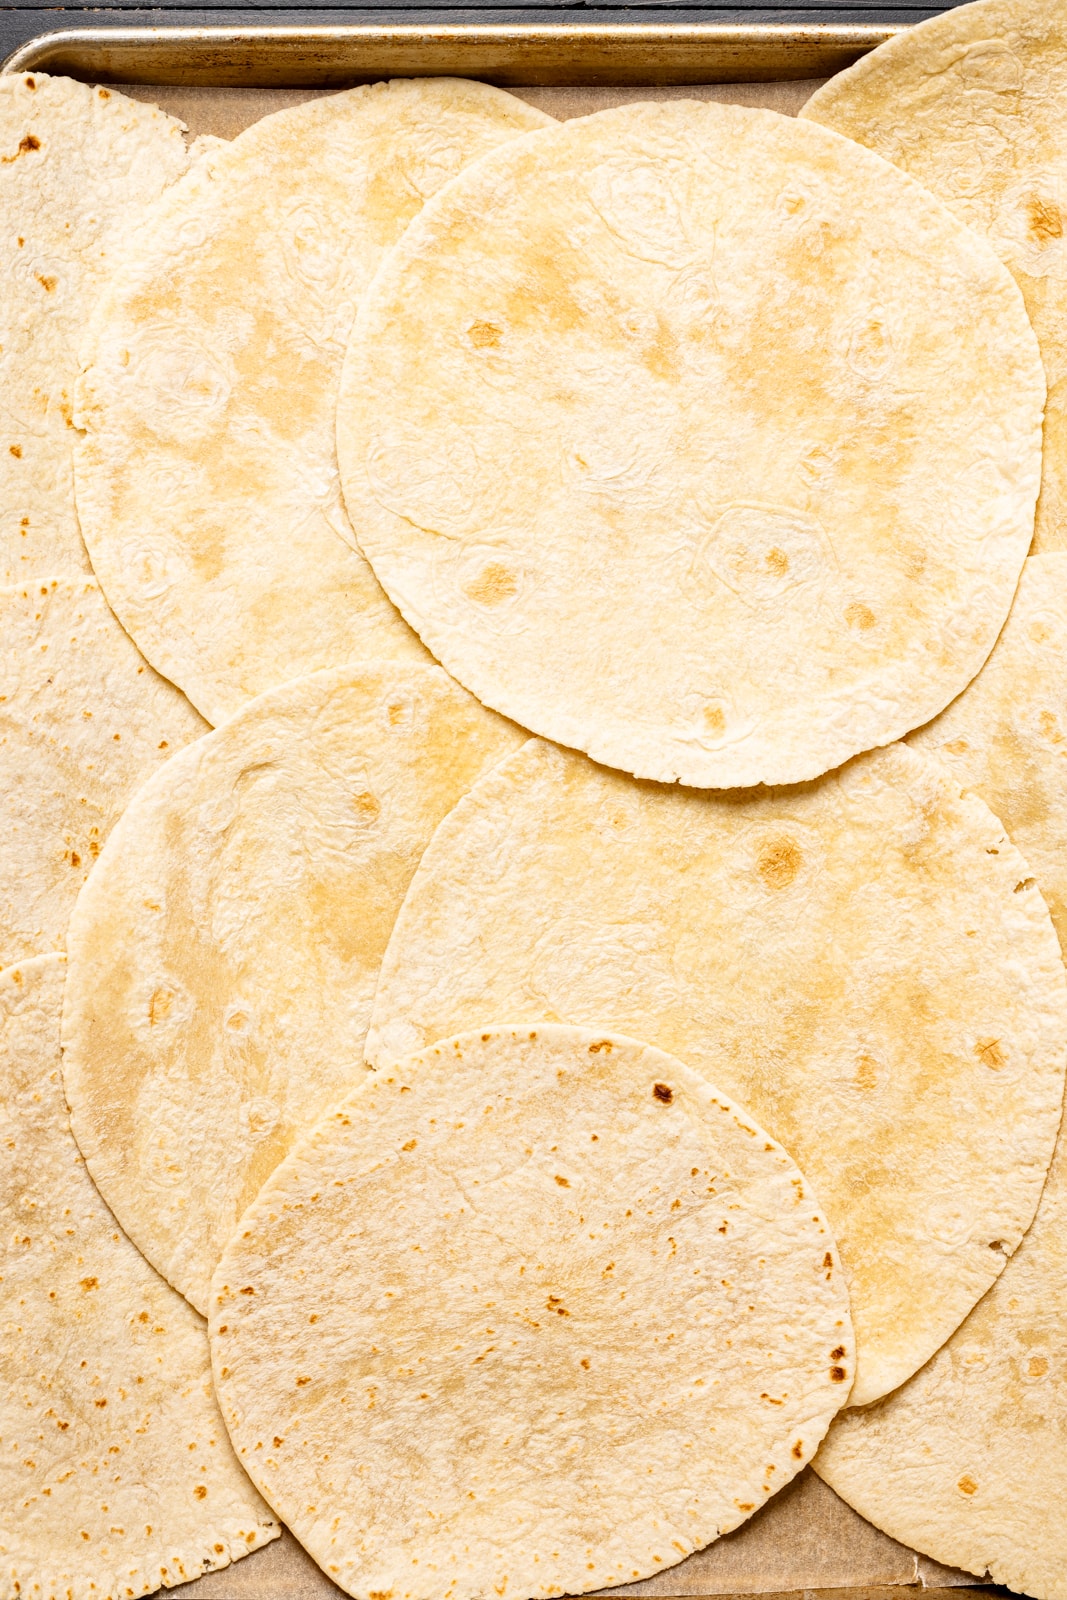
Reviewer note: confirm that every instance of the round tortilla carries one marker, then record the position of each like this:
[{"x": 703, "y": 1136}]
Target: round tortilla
[
  {"x": 116, "y": 1476},
  {"x": 1006, "y": 736},
  {"x": 968, "y": 1462},
  {"x": 741, "y": 446},
  {"x": 973, "y": 103},
  {"x": 224, "y": 953},
  {"x": 531, "y": 1313},
  {"x": 207, "y": 476},
  {"x": 865, "y": 962},
  {"x": 83, "y": 721},
  {"x": 78, "y": 165}
]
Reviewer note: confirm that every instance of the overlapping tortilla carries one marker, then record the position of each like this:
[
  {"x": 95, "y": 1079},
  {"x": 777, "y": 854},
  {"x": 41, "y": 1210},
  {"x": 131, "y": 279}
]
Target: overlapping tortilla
[
  {"x": 224, "y": 953},
  {"x": 697, "y": 438},
  {"x": 83, "y": 722},
  {"x": 116, "y": 1474},
  {"x": 78, "y": 166},
  {"x": 973, "y": 103},
  {"x": 865, "y": 961},
  {"x": 207, "y": 476},
  {"x": 1006, "y": 736},
  {"x": 530, "y": 1313},
  {"x": 968, "y": 1461}
]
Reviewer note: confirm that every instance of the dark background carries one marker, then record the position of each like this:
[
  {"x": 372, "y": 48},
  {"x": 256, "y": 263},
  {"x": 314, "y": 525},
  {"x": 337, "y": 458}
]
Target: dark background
[{"x": 23, "y": 19}]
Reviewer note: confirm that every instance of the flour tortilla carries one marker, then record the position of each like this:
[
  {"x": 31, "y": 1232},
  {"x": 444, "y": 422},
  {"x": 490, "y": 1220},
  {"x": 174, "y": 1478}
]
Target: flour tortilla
[
  {"x": 225, "y": 951},
  {"x": 865, "y": 962},
  {"x": 83, "y": 721},
  {"x": 531, "y": 1313},
  {"x": 116, "y": 1475},
  {"x": 968, "y": 1462},
  {"x": 973, "y": 104},
  {"x": 78, "y": 165},
  {"x": 696, "y": 438},
  {"x": 207, "y": 476},
  {"x": 1006, "y": 736}
]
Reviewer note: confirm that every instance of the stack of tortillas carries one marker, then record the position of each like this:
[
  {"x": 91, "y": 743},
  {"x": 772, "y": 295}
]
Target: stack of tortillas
[{"x": 607, "y": 921}]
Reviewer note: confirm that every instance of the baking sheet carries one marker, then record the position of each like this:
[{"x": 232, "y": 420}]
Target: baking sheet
[{"x": 806, "y": 1539}]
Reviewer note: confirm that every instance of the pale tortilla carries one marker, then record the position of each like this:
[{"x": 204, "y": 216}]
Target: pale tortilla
[
  {"x": 83, "y": 721},
  {"x": 865, "y": 961},
  {"x": 698, "y": 439},
  {"x": 1006, "y": 735},
  {"x": 224, "y": 953},
  {"x": 968, "y": 1462},
  {"x": 973, "y": 103},
  {"x": 78, "y": 165},
  {"x": 207, "y": 477},
  {"x": 116, "y": 1475},
  {"x": 531, "y": 1313}
]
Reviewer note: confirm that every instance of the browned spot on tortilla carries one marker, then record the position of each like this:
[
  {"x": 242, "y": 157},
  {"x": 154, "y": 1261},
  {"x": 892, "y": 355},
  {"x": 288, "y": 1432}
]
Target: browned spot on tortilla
[
  {"x": 595, "y": 1049},
  {"x": 1037, "y": 1367},
  {"x": 1045, "y": 219},
  {"x": 492, "y": 585},
  {"x": 16, "y": 450},
  {"x": 714, "y": 719},
  {"x": 564, "y": 1183},
  {"x": 866, "y": 1073},
  {"x": 1049, "y": 725},
  {"x": 159, "y": 1005},
  {"x": 836, "y": 1355},
  {"x": 47, "y": 283},
  {"x": 483, "y": 335},
  {"x": 409, "y": 1146},
  {"x": 858, "y": 615},
  {"x": 88, "y": 1283},
  {"x": 278, "y": 1442},
  {"x": 367, "y": 806},
  {"x": 664, "y": 1092},
  {"x": 28, "y": 142},
  {"x": 990, "y": 1054},
  {"x": 105, "y": 94},
  {"x": 300, "y": 1382},
  {"x": 779, "y": 862},
  {"x": 798, "y": 1450},
  {"x": 777, "y": 562},
  {"x": 967, "y": 1484},
  {"x": 201, "y": 1491},
  {"x": 837, "y": 1374}
]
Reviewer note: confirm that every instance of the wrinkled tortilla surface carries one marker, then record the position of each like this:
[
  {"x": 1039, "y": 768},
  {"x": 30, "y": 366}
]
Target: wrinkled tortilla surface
[
  {"x": 116, "y": 1474},
  {"x": 535, "y": 1311},
  {"x": 865, "y": 961}
]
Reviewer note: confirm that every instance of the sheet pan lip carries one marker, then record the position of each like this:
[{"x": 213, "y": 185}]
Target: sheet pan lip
[{"x": 205, "y": 54}]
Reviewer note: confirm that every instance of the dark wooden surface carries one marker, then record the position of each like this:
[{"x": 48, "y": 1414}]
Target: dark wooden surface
[{"x": 24, "y": 19}]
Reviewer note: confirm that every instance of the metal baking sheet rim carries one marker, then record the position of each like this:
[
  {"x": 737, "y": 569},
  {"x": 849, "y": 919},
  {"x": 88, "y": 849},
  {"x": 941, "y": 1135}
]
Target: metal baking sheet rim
[{"x": 508, "y": 54}]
